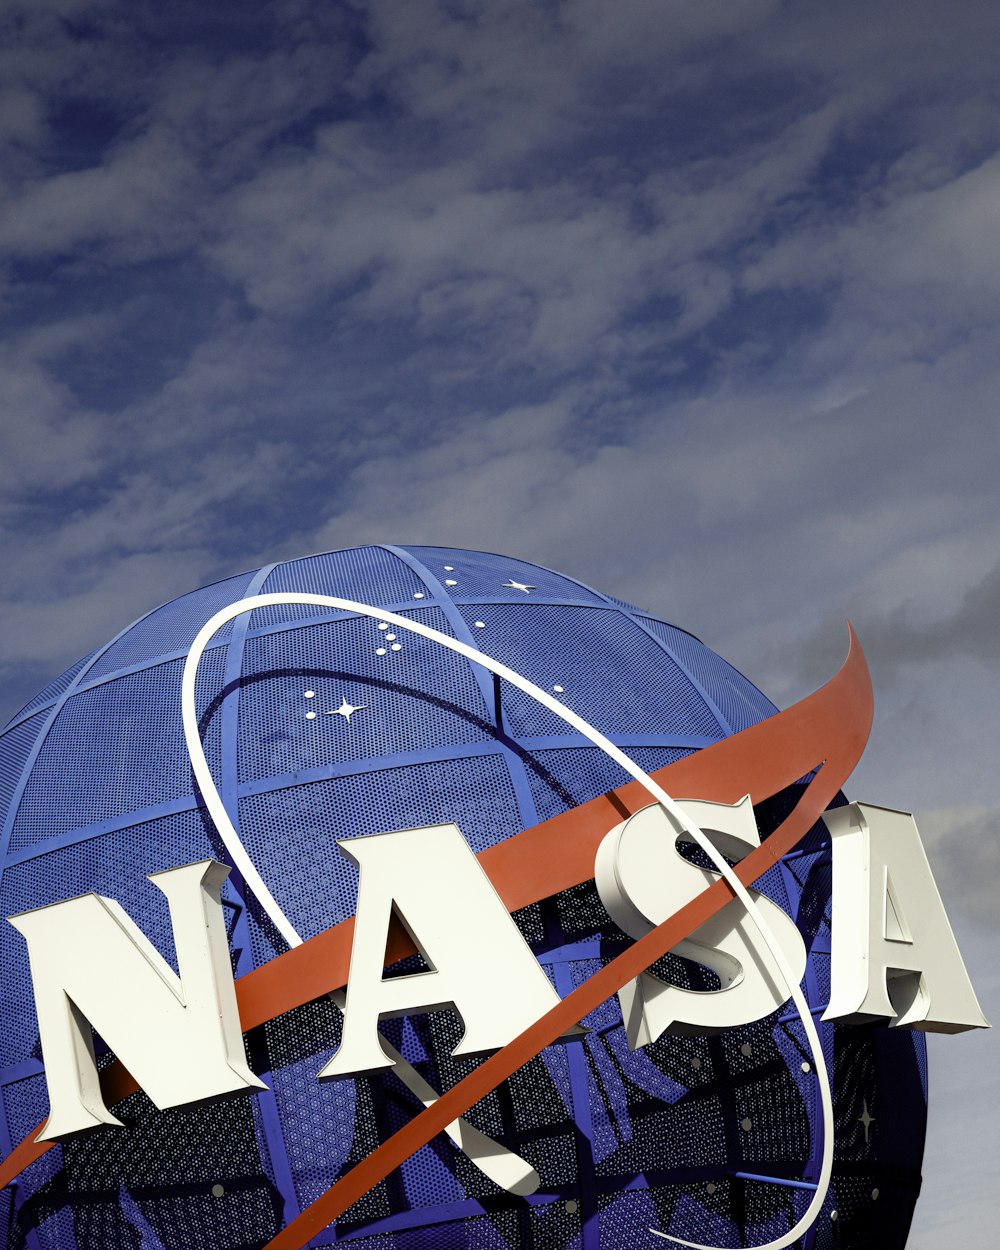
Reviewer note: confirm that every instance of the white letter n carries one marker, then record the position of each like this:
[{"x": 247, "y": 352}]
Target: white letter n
[{"x": 179, "y": 1035}]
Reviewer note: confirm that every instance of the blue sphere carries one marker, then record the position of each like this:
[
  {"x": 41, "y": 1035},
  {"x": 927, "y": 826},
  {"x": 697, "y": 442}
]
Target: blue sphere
[{"x": 96, "y": 792}]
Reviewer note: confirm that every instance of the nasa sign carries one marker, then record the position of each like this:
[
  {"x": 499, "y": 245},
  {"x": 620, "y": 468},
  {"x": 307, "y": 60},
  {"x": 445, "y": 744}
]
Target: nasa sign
[{"x": 497, "y": 894}]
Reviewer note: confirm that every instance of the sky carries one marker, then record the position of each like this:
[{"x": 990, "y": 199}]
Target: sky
[{"x": 694, "y": 300}]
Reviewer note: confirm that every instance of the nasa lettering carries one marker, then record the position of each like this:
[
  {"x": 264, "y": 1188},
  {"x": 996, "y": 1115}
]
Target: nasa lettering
[
  {"x": 180, "y": 1035},
  {"x": 530, "y": 904}
]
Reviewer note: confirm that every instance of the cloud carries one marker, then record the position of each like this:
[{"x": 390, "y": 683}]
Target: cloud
[
  {"x": 967, "y": 629},
  {"x": 963, "y": 845},
  {"x": 694, "y": 301}
]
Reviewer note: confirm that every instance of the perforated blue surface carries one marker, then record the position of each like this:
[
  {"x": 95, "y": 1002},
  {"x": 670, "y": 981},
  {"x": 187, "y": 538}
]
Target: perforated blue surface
[{"x": 96, "y": 792}]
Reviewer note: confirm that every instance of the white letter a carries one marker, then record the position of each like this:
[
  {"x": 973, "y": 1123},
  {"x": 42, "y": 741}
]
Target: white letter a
[
  {"x": 480, "y": 963},
  {"x": 894, "y": 954}
]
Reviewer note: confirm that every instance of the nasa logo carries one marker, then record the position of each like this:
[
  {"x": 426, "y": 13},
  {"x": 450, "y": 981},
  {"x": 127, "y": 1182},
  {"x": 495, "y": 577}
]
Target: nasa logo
[{"x": 893, "y": 957}]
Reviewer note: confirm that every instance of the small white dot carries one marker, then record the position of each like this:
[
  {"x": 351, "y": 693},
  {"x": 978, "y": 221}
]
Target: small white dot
[
  {"x": 696, "y": 1064},
  {"x": 450, "y": 581},
  {"x": 807, "y": 1067},
  {"x": 218, "y": 1191},
  {"x": 397, "y": 646},
  {"x": 310, "y": 715},
  {"x": 712, "y": 1187},
  {"x": 383, "y": 625},
  {"x": 874, "y": 1195},
  {"x": 309, "y": 694},
  {"x": 833, "y": 1215},
  {"x": 449, "y": 568},
  {"x": 558, "y": 689},
  {"x": 380, "y": 650},
  {"x": 480, "y": 624},
  {"x": 418, "y": 595},
  {"x": 746, "y": 1049},
  {"x": 746, "y": 1124},
  {"x": 390, "y": 637}
]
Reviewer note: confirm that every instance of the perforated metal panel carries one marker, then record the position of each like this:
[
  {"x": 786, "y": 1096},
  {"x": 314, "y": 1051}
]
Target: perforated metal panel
[
  {"x": 99, "y": 793},
  {"x": 366, "y": 574},
  {"x": 409, "y": 698},
  {"x": 291, "y": 832},
  {"x": 594, "y": 656},
  {"x": 51, "y": 692},
  {"x": 562, "y": 777},
  {"x": 483, "y": 575},
  {"x": 114, "y": 749},
  {"x": 170, "y": 628},
  {"x": 18, "y": 743},
  {"x": 738, "y": 700}
]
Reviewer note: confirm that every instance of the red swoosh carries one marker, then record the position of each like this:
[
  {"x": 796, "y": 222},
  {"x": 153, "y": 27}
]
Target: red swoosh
[{"x": 829, "y": 727}]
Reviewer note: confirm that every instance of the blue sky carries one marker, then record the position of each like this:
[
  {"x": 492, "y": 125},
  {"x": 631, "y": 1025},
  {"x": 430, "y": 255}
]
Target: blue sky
[{"x": 695, "y": 301}]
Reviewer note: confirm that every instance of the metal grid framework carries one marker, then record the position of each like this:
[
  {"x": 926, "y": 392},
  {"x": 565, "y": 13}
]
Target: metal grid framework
[{"x": 710, "y": 1138}]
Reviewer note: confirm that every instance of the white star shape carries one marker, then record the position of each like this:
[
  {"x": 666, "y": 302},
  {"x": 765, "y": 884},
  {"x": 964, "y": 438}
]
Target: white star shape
[
  {"x": 865, "y": 1119},
  {"x": 346, "y": 710},
  {"x": 512, "y": 585}
]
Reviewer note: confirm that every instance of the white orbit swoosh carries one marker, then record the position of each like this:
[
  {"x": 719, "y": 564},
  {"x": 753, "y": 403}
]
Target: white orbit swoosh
[{"x": 252, "y": 877}]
